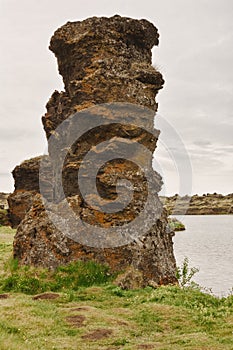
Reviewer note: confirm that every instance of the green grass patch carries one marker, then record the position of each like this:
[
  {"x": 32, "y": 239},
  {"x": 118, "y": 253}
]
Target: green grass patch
[{"x": 31, "y": 280}]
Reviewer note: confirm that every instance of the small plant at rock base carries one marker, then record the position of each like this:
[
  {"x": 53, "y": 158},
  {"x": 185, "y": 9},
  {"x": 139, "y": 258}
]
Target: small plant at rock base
[{"x": 184, "y": 274}]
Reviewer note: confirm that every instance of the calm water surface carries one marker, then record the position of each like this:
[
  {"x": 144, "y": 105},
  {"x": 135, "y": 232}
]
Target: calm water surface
[{"x": 208, "y": 243}]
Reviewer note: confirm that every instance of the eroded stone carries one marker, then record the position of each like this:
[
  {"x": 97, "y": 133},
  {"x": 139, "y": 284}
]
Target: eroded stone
[{"x": 108, "y": 77}]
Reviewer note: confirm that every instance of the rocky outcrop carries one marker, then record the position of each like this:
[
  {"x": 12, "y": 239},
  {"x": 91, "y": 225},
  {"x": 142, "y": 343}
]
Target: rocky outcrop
[
  {"x": 207, "y": 204},
  {"x": 19, "y": 202},
  {"x": 26, "y": 175},
  {"x": 26, "y": 179},
  {"x": 106, "y": 113}
]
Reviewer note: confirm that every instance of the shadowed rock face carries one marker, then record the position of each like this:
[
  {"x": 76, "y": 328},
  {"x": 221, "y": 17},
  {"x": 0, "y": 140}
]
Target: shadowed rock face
[
  {"x": 102, "y": 61},
  {"x": 26, "y": 177}
]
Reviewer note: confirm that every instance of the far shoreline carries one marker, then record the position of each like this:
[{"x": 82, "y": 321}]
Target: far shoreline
[{"x": 206, "y": 204}]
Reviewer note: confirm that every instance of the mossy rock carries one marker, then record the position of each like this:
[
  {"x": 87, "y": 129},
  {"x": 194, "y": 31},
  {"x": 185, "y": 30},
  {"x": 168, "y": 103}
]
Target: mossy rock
[{"x": 175, "y": 224}]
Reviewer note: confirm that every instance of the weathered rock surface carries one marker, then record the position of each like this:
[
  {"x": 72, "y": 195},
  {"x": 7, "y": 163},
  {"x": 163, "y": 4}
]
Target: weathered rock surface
[
  {"x": 42, "y": 244},
  {"x": 26, "y": 177},
  {"x": 102, "y": 61},
  {"x": 20, "y": 201},
  {"x": 207, "y": 204}
]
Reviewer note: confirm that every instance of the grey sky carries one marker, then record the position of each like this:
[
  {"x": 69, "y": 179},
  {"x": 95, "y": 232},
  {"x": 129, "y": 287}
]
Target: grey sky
[{"x": 195, "y": 56}]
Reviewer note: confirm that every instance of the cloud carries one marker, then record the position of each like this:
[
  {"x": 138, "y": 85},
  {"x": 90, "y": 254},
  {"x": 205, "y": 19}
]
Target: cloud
[
  {"x": 202, "y": 143},
  {"x": 195, "y": 56}
]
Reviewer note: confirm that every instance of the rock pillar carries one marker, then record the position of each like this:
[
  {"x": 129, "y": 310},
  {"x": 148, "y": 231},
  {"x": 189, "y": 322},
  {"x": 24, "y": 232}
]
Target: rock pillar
[{"x": 100, "y": 130}]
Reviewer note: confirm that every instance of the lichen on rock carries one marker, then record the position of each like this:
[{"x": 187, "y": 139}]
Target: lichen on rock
[{"x": 108, "y": 77}]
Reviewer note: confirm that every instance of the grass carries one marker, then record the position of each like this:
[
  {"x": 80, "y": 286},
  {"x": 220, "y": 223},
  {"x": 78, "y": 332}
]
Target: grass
[
  {"x": 71, "y": 277},
  {"x": 93, "y": 313},
  {"x": 4, "y": 230}
]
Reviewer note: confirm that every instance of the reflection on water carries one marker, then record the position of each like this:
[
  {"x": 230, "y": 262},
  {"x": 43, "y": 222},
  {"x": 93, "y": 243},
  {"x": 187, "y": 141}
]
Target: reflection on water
[{"x": 208, "y": 243}]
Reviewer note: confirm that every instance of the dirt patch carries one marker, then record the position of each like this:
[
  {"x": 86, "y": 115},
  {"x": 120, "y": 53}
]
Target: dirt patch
[
  {"x": 98, "y": 334},
  {"x": 76, "y": 320},
  {"x": 4, "y": 296},
  {"x": 46, "y": 296}
]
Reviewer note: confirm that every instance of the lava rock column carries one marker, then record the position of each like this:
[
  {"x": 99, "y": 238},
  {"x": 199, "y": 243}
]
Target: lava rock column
[{"x": 106, "y": 68}]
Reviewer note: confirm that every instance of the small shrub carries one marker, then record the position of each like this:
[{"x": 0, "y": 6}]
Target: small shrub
[{"x": 184, "y": 274}]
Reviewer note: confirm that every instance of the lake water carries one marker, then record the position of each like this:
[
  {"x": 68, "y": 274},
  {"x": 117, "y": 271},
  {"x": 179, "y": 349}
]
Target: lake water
[{"x": 208, "y": 243}]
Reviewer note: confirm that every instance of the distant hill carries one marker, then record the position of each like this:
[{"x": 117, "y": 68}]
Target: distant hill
[{"x": 207, "y": 204}]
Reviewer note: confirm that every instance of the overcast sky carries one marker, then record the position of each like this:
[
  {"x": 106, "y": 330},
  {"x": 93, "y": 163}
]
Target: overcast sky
[{"x": 195, "y": 56}]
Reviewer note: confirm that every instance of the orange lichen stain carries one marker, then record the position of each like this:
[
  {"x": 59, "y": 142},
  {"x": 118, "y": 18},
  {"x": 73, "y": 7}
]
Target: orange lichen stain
[
  {"x": 84, "y": 105},
  {"x": 101, "y": 218},
  {"x": 87, "y": 88}
]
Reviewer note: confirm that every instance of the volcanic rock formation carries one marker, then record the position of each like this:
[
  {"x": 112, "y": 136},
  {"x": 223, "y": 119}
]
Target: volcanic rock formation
[
  {"x": 106, "y": 112},
  {"x": 26, "y": 178}
]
